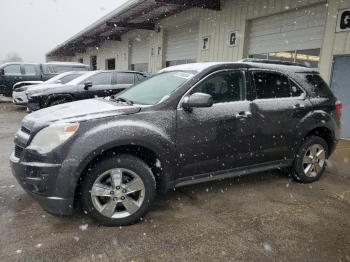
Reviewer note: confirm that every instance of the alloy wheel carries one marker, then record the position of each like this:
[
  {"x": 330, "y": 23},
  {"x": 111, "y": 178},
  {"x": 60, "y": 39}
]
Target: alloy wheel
[
  {"x": 118, "y": 193},
  {"x": 314, "y": 160}
]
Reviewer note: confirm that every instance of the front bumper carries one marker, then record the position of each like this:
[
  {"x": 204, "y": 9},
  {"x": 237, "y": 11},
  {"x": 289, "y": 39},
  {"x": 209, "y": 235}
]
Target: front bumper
[
  {"x": 39, "y": 180},
  {"x": 19, "y": 98}
]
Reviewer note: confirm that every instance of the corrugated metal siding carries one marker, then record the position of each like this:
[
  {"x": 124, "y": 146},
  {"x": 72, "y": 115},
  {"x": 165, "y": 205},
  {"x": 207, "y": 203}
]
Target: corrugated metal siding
[
  {"x": 182, "y": 42},
  {"x": 301, "y": 29},
  {"x": 233, "y": 17}
]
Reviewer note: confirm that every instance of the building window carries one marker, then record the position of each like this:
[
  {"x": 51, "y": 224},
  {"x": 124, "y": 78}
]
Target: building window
[
  {"x": 93, "y": 62},
  {"x": 308, "y": 57},
  {"x": 141, "y": 67},
  {"x": 205, "y": 43},
  {"x": 81, "y": 60},
  {"x": 179, "y": 62},
  {"x": 110, "y": 64}
]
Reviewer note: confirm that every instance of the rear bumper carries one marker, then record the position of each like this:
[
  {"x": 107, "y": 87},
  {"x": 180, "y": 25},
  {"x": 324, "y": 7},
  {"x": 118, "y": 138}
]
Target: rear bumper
[{"x": 39, "y": 181}]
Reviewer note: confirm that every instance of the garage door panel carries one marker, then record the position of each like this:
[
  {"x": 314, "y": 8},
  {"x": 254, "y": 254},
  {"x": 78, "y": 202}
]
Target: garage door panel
[
  {"x": 139, "y": 51},
  {"x": 182, "y": 42},
  {"x": 301, "y": 29}
]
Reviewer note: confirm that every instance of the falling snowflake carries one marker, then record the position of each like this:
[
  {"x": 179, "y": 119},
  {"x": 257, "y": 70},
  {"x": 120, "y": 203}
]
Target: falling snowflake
[{"x": 83, "y": 227}]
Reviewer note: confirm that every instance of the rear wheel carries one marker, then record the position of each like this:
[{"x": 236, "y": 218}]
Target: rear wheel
[
  {"x": 118, "y": 191},
  {"x": 310, "y": 162}
]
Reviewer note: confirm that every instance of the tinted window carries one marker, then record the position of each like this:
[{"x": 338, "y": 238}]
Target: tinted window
[
  {"x": 125, "y": 78},
  {"x": 271, "y": 85},
  {"x": 100, "y": 79},
  {"x": 226, "y": 86},
  {"x": 12, "y": 70},
  {"x": 68, "y": 78},
  {"x": 318, "y": 86},
  {"x": 29, "y": 70}
]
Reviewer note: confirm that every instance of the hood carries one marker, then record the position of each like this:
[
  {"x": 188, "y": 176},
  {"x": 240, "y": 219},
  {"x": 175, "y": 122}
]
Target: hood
[
  {"x": 77, "y": 111},
  {"x": 34, "y": 89}
]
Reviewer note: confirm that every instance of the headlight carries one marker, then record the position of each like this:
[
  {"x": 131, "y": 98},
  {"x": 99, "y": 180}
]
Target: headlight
[
  {"x": 52, "y": 136},
  {"x": 21, "y": 89}
]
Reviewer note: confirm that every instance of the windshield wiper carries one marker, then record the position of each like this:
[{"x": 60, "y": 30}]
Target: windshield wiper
[{"x": 124, "y": 100}]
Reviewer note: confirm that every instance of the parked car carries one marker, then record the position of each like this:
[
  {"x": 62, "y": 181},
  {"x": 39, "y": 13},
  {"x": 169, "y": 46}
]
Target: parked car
[
  {"x": 12, "y": 73},
  {"x": 94, "y": 84},
  {"x": 19, "y": 90},
  {"x": 188, "y": 124}
]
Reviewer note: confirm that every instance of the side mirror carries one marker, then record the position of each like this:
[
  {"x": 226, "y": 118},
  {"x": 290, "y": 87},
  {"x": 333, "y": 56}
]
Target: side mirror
[
  {"x": 2, "y": 72},
  {"x": 87, "y": 85},
  {"x": 197, "y": 100}
]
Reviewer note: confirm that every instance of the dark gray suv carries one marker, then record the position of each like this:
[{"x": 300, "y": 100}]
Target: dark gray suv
[{"x": 188, "y": 124}]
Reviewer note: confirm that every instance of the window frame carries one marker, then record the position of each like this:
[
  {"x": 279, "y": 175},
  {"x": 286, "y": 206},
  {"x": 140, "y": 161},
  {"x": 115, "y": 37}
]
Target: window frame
[
  {"x": 100, "y": 73},
  {"x": 12, "y": 75},
  {"x": 23, "y": 68},
  {"x": 251, "y": 72},
  {"x": 242, "y": 70}
]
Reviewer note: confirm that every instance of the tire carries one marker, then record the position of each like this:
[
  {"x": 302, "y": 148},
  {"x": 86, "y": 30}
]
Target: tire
[
  {"x": 310, "y": 162},
  {"x": 102, "y": 196}
]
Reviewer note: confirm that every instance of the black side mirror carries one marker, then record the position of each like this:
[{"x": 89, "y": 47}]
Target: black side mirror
[
  {"x": 197, "y": 100},
  {"x": 2, "y": 71},
  {"x": 87, "y": 85}
]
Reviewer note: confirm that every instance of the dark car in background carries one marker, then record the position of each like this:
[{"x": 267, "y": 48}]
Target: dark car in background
[
  {"x": 19, "y": 90},
  {"x": 12, "y": 73},
  {"x": 93, "y": 84},
  {"x": 189, "y": 124}
]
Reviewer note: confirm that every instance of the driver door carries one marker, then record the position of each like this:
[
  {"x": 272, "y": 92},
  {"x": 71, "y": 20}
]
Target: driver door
[
  {"x": 219, "y": 137},
  {"x": 101, "y": 84}
]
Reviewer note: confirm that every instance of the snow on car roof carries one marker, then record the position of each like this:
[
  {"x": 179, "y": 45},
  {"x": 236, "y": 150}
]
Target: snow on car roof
[{"x": 198, "y": 67}]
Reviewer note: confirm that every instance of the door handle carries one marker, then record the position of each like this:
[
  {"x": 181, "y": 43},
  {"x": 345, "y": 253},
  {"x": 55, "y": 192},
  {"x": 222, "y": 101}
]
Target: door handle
[
  {"x": 243, "y": 115},
  {"x": 298, "y": 106}
]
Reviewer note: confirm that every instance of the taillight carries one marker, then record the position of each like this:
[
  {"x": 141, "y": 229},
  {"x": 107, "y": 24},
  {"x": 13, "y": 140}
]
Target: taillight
[{"x": 338, "y": 109}]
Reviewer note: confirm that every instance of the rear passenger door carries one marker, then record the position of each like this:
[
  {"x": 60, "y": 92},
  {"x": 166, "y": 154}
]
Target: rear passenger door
[
  {"x": 31, "y": 73},
  {"x": 279, "y": 105}
]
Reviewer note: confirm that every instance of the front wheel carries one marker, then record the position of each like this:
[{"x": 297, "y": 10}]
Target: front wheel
[
  {"x": 118, "y": 191},
  {"x": 310, "y": 162}
]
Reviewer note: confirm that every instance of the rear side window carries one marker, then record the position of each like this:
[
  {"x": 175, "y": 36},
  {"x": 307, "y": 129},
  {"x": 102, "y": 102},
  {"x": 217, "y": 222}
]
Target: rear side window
[
  {"x": 29, "y": 70},
  {"x": 274, "y": 85},
  {"x": 125, "y": 78},
  {"x": 319, "y": 87},
  {"x": 12, "y": 70}
]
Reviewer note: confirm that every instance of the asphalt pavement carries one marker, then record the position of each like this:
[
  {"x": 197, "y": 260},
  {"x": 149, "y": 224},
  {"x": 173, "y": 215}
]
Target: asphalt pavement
[{"x": 261, "y": 217}]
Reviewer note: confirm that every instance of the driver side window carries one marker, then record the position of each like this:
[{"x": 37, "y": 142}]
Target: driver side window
[
  {"x": 101, "y": 79},
  {"x": 226, "y": 86}
]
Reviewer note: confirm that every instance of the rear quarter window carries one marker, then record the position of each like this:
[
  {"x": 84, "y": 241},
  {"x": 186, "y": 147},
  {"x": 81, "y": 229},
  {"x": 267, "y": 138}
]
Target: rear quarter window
[{"x": 319, "y": 87}]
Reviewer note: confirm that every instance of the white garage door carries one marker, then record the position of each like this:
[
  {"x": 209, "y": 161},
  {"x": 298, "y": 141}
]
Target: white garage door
[
  {"x": 182, "y": 44},
  {"x": 295, "y": 30},
  {"x": 139, "y": 53}
]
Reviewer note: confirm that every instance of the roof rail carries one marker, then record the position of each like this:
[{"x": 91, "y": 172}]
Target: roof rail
[{"x": 273, "y": 62}]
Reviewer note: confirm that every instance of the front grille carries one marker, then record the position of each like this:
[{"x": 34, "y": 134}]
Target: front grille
[
  {"x": 25, "y": 130},
  {"x": 18, "y": 151}
]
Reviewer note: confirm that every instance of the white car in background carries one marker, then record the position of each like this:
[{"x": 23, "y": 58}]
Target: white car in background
[{"x": 19, "y": 90}]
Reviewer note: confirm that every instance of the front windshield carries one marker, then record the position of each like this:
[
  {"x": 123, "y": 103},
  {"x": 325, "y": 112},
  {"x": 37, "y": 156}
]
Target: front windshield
[
  {"x": 63, "y": 78},
  {"x": 156, "y": 88}
]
